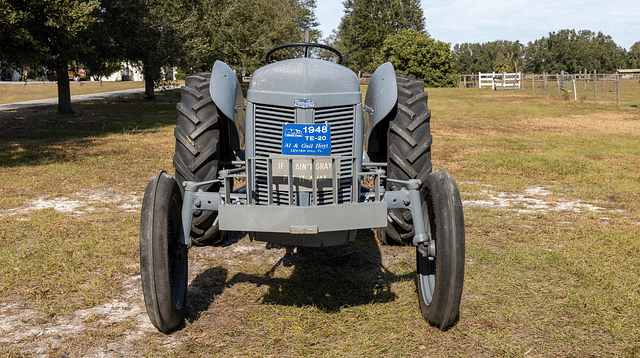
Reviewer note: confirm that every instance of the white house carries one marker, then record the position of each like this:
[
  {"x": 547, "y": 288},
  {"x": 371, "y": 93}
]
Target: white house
[
  {"x": 127, "y": 72},
  {"x": 131, "y": 72}
]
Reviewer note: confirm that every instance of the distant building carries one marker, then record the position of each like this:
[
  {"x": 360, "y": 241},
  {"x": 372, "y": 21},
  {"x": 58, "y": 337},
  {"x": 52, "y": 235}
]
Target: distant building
[
  {"x": 629, "y": 73},
  {"x": 131, "y": 72},
  {"x": 127, "y": 72}
]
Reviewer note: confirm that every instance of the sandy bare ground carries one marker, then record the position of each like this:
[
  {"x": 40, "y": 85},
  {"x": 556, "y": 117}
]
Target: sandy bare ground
[{"x": 25, "y": 329}]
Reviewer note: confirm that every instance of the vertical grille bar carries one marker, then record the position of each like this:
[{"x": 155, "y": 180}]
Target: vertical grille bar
[{"x": 342, "y": 124}]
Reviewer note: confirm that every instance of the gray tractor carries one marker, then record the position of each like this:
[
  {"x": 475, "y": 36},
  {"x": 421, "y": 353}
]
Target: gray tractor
[{"x": 303, "y": 163}]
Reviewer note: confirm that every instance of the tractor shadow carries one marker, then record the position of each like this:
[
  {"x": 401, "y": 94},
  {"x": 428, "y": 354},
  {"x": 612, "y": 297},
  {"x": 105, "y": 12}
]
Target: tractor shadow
[
  {"x": 203, "y": 291},
  {"x": 325, "y": 278}
]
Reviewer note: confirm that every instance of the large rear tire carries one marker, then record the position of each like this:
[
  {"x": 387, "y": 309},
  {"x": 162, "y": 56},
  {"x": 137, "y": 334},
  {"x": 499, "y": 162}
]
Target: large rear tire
[
  {"x": 409, "y": 152},
  {"x": 439, "y": 279},
  {"x": 163, "y": 260},
  {"x": 197, "y": 151}
]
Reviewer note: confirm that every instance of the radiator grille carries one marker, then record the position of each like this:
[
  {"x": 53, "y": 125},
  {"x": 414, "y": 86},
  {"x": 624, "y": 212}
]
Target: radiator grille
[{"x": 268, "y": 140}]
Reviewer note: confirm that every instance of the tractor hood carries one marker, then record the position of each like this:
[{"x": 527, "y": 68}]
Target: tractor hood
[{"x": 326, "y": 83}]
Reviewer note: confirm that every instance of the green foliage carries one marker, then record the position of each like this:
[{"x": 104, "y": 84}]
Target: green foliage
[
  {"x": 52, "y": 34},
  {"x": 367, "y": 23},
  {"x": 99, "y": 34},
  {"x": 145, "y": 32},
  {"x": 633, "y": 60},
  {"x": 566, "y": 50},
  {"x": 415, "y": 54},
  {"x": 44, "y": 33},
  {"x": 571, "y": 51},
  {"x": 241, "y": 32},
  {"x": 496, "y": 56}
]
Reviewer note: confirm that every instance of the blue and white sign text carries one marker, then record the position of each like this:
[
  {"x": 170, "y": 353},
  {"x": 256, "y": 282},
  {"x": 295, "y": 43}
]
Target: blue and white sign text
[{"x": 306, "y": 139}]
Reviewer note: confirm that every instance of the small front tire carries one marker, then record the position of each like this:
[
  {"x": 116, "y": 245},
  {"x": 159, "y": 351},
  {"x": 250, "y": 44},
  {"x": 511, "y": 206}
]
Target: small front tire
[
  {"x": 163, "y": 260},
  {"x": 439, "y": 279}
]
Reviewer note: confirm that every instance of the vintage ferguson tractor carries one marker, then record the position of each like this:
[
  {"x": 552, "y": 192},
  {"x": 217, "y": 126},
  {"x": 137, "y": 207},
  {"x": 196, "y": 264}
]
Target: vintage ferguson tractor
[{"x": 304, "y": 163}]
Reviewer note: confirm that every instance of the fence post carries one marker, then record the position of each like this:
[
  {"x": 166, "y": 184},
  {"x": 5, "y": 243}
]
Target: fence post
[
  {"x": 520, "y": 82},
  {"x": 533, "y": 85},
  {"x": 558, "y": 84},
  {"x": 595, "y": 87},
  {"x": 575, "y": 92},
  {"x": 544, "y": 83},
  {"x": 617, "y": 90}
]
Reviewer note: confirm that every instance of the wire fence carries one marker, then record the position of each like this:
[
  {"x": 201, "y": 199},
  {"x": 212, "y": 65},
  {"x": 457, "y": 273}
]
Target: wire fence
[{"x": 620, "y": 90}]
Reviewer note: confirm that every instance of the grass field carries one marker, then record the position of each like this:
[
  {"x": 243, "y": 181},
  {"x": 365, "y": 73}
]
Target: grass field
[
  {"x": 551, "y": 190},
  {"x": 27, "y": 91}
]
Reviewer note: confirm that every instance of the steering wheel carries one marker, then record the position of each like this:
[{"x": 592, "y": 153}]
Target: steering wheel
[{"x": 306, "y": 46}]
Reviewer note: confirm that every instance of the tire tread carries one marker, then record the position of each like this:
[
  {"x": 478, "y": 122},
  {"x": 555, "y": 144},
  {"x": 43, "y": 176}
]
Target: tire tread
[
  {"x": 197, "y": 149},
  {"x": 409, "y": 151}
]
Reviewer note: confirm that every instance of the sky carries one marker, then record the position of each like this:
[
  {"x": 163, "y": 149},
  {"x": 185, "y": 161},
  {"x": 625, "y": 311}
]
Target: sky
[{"x": 477, "y": 21}]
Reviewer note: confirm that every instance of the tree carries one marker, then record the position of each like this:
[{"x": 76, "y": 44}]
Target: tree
[
  {"x": 308, "y": 21},
  {"x": 415, "y": 54},
  {"x": 600, "y": 52},
  {"x": 367, "y": 23},
  {"x": 146, "y": 32},
  {"x": 53, "y": 34},
  {"x": 633, "y": 57},
  {"x": 240, "y": 32},
  {"x": 571, "y": 51},
  {"x": 465, "y": 57},
  {"x": 496, "y": 56}
]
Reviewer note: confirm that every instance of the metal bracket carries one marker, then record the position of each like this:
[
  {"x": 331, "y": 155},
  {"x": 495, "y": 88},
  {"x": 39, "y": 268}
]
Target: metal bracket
[
  {"x": 409, "y": 198},
  {"x": 411, "y": 184},
  {"x": 193, "y": 201}
]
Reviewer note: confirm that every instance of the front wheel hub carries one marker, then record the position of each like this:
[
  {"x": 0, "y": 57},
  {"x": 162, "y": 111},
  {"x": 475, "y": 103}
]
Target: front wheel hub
[{"x": 427, "y": 249}]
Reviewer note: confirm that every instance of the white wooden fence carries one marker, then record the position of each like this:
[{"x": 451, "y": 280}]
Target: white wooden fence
[{"x": 500, "y": 80}]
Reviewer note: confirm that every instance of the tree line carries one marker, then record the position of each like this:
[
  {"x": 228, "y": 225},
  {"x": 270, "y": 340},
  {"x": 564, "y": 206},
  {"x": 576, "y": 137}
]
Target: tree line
[
  {"x": 193, "y": 34},
  {"x": 565, "y": 50},
  {"x": 374, "y": 31},
  {"x": 190, "y": 34}
]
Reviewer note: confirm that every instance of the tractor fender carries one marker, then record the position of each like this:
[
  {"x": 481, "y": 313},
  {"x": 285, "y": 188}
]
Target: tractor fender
[
  {"x": 381, "y": 99},
  {"x": 225, "y": 89},
  {"x": 226, "y": 93}
]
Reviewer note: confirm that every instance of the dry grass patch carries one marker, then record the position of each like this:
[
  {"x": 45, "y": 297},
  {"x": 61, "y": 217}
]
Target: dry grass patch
[
  {"x": 600, "y": 124},
  {"x": 552, "y": 228},
  {"x": 10, "y": 93}
]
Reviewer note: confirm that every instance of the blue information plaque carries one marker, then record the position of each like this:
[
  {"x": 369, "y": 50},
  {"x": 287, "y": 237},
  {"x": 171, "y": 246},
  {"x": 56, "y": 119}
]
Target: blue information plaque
[{"x": 306, "y": 139}]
